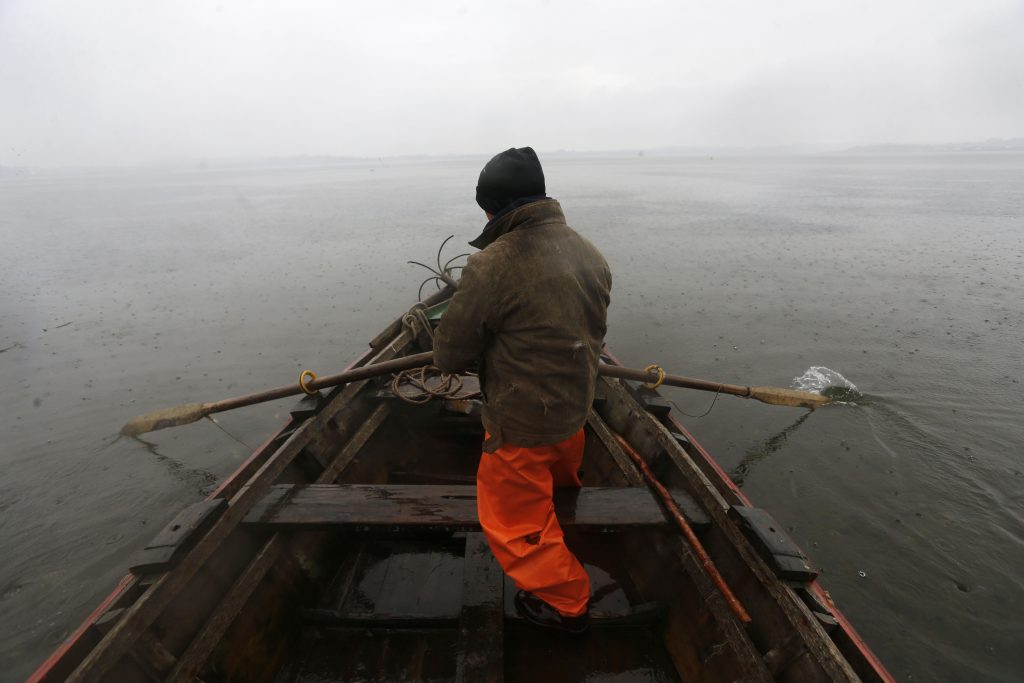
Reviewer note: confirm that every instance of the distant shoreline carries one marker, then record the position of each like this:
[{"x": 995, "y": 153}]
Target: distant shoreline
[{"x": 992, "y": 146}]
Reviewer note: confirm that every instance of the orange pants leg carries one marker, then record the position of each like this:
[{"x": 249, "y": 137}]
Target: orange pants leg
[{"x": 514, "y": 487}]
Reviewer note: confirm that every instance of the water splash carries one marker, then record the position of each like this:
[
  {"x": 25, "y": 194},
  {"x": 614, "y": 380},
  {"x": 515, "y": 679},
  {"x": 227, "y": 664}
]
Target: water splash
[{"x": 827, "y": 382}]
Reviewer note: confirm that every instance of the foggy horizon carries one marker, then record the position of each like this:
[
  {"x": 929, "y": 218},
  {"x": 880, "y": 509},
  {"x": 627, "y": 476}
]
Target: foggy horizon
[
  {"x": 114, "y": 83},
  {"x": 667, "y": 151}
]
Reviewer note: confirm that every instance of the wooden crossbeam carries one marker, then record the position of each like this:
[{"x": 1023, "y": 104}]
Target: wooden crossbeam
[{"x": 380, "y": 509}]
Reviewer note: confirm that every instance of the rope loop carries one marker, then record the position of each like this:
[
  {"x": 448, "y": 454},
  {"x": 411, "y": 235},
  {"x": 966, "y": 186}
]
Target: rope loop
[
  {"x": 654, "y": 367},
  {"x": 423, "y": 389},
  {"x": 302, "y": 382}
]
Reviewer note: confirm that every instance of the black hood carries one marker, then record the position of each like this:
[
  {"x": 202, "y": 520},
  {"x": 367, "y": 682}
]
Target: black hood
[{"x": 508, "y": 177}]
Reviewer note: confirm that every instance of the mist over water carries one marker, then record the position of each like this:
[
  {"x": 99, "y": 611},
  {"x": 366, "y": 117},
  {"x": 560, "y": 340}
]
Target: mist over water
[{"x": 125, "y": 292}]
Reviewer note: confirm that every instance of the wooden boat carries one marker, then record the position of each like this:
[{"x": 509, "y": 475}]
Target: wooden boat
[{"x": 346, "y": 548}]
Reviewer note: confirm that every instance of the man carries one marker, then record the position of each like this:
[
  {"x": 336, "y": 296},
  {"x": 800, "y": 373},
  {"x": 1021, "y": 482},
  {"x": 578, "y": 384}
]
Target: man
[{"x": 531, "y": 308}]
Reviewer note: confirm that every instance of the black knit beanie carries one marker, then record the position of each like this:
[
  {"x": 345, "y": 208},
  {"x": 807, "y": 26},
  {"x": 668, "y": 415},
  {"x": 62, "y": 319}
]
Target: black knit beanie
[{"x": 511, "y": 175}]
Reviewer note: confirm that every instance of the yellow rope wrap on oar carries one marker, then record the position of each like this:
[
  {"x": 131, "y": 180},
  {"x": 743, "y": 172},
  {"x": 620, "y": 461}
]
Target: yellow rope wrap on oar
[
  {"x": 661, "y": 375},
  {"x": 302, "y": 381}
]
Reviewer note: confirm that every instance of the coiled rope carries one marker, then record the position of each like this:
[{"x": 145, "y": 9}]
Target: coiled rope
[{"x": 420, "y": 385}]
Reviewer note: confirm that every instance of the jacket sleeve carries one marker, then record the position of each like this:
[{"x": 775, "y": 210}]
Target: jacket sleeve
[{"x": 464, "y": 330}]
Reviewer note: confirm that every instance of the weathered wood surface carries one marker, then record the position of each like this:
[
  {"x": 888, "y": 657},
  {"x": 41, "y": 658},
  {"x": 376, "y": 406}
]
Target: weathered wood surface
[
  {"x": 775, "y": 608},
  {"x": 704, "y": 639},
  {"x": 177, "y": 537},
  {"x": 443, "y": 507},
  {"x": 774, "y": 545},
  {"x": 213, "y": 630},
  {"x": 140, "y": 615},
  {"x": 481, "y": 645},
  {"x": 622, "y": 461}
]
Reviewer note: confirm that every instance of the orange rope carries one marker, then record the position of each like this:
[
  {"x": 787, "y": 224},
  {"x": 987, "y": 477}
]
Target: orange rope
[{"x": 677, "y": 516}]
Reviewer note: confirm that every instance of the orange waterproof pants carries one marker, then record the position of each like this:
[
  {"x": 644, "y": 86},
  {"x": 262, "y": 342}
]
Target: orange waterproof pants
[{"x": 514, "y": 487}]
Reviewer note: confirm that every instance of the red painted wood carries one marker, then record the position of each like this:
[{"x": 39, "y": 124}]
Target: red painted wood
[
  {"x": 851, "y": 633},
  {"x": 252, "y": 463},
  {"x": 43, "y": 672},
  {"x": 740, "y": 498}
]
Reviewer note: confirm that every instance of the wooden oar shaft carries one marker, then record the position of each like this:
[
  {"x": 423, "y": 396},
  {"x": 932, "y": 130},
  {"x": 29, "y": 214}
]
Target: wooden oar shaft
[
  {"x": 425, "y": 358},
  {"x": 189, "y": 413},
  {"x": 375, "y": 370},
  {"x": 672, "y": 380}
]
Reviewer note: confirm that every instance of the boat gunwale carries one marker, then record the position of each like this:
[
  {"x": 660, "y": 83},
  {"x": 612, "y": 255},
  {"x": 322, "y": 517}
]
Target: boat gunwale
[
  {"x": 226, "y": 489},
  {"x": 728, "y": 490}
]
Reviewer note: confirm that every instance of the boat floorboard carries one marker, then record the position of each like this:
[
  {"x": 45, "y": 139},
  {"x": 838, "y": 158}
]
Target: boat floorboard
[{"x": 406, "y": 602}]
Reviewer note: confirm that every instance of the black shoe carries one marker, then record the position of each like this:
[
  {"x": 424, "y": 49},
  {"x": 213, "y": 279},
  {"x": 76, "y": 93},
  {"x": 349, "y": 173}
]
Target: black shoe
[{"x": 540, "y": 613}]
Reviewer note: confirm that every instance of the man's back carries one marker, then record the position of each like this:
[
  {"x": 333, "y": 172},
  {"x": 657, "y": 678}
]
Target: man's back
[{"x": 532, "y": 306}]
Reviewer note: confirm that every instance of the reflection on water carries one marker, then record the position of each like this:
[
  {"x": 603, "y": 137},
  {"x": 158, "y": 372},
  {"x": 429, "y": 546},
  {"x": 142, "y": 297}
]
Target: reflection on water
[
  {"x": 764, "y": 449},
  {"x": 202, "y": 481}
]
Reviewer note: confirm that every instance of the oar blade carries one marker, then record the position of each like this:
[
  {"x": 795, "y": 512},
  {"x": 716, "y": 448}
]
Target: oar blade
[
  {"x": 161, "y": 419},
  {"x": 795, "y": 398}
]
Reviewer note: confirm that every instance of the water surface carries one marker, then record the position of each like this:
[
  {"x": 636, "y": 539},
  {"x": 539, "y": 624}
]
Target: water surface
[{"x": 123, "y": 292}]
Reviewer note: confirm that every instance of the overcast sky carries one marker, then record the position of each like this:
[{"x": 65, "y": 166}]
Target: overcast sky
[{"x": 140, "y": 81}]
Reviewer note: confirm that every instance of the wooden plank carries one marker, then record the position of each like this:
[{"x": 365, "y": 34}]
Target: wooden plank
[
  {"x": 203, "y": 643},
  {"x": 774, "y": 606},
  {"x": 441, "y": 507},
  {"x": 355, "y": 444},
  {"x": 694, "y": 513},
  {"x": 76, "y": 648},
  {"x": 146, "y": 609},
  {"x": 704, "y": 639},
  {"x": 774, "y": 544},
  {"x": 622, "y": 460},
  {"x": 481, "y": 646},
  {"x": 151, "y": 655},
  {"x": 177, "y": 537},
  {"x": 339, "y": 619},
  {"x": 650, "y": 399}
]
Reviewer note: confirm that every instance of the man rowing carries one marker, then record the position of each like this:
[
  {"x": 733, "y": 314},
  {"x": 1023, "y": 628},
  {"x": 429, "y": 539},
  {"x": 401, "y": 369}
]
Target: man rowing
[{"x": 531, "y": 309}]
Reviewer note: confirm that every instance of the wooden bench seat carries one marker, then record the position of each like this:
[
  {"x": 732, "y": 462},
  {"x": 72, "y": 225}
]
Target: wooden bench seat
[{"x": 383, "y": 508}]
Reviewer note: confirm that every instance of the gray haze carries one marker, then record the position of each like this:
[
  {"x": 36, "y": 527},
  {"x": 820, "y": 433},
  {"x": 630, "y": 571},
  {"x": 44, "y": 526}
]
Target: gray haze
[{"x": 108, "y": 82}]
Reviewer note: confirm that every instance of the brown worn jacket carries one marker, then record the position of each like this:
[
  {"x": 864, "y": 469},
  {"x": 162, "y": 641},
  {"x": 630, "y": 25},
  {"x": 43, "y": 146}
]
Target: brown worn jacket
[{"x": 531, "y": 306}]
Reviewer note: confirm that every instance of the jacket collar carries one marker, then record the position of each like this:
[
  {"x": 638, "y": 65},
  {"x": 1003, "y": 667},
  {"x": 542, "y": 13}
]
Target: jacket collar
[{"x": 527, "y": 215}]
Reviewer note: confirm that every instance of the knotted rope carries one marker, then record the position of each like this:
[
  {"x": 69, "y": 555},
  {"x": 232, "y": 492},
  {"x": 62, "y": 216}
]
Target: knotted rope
[{"x": 416, "y": 320}]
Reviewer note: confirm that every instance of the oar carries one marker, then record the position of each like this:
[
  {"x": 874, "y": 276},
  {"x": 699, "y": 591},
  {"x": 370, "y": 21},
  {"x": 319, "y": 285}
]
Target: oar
[
  {"x": 774, "y": 395},
  {"x": 192, "y": 412}
]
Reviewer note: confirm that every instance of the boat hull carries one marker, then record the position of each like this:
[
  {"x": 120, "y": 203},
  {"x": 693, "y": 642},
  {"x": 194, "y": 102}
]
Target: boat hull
[{"x": 346, "y": 548}]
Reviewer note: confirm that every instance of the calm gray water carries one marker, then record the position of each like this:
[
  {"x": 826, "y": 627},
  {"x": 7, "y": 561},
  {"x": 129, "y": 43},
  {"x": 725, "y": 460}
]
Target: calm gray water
[{"x": 126, "y": 292}]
